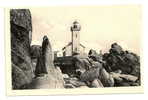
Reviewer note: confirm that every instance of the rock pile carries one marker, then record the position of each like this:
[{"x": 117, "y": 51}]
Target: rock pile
[
  {"x": 116, "y": 68},
  {"x": 126, "y": 61}
]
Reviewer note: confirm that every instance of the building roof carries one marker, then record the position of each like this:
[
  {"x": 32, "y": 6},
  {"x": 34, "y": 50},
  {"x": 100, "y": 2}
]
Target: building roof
[
  {"x": 70, "y": 44},
  {"x": 82, "y": 45},
  {"x": 67, "y": 45},
  {"x": 75, "y": 22}
]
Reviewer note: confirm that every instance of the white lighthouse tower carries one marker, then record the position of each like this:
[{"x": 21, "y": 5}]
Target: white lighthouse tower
[
  {"x": 75, "y": 29},
  {"x": 74, "y": 46}
]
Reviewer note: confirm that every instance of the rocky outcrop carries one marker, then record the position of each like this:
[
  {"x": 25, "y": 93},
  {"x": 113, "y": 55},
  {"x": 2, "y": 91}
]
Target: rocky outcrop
[
  {"x": 47, "y": 75},
  {"x": 127, "y": 62},
  {"x": 24, "y": 58},
  {"x": 116, "y": 68},
  {"x": 51, "y": 80},
  {"x": 21, "y": 31}
]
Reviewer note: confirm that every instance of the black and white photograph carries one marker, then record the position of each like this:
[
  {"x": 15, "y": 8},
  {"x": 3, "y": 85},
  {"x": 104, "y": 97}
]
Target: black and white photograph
[{"x": 74, "y": 47}]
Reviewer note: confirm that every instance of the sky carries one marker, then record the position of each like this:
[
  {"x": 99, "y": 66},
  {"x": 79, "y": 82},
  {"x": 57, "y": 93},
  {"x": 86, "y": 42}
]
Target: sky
[{"x": 100, "y": 26}]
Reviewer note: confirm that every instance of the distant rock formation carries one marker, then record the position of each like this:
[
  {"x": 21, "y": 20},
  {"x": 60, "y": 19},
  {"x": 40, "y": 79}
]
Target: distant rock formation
[
  {"x": 21, "y": 32},
  {"x": 126, "y": 61},
  {"x": 116, "y": 49}
]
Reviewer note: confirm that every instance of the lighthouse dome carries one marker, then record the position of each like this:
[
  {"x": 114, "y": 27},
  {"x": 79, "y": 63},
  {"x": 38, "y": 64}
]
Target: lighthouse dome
[{"x": 76, "y": 26}]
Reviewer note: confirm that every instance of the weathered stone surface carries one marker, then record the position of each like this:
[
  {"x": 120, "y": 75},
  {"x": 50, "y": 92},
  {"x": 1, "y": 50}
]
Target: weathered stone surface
[
  {"x": 89, "y": 69},
  {"x": 95, "y": 56},
  {"x": 69, "y": 86},
  {"x": 133, "y": 61},
  {"x": 43, "y": 58},
  {"x": 126, "y": 61},
  {"x": 77, "y": 83},
  {"x": 65, "y": 76},
  {"x": 97, "y": 68},
  {"x": 21, "y": 17},
  {"x": 51, "y": 80},
  {"x": 90, "y": 74},
  {"x": 47, "y": 52},
  {"x": 40, "y": 66},
  {"x": 47, "y": 75},
  {"x": 106, "y": 79},
  {"x": 115, "y": 49},
  {"x": 21, "y": 27},
  {"x": 96, "y": 83},
  {"x": 35, "y": 51},
  {"x": 73, "y": 82},
  {"x": 82, "y": 63},
  {"x": 124, "y": 79},
  {"x": 19, "y": 78}
]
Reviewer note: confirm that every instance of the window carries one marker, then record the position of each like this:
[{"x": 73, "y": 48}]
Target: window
[{"x": 75, "y": 26}]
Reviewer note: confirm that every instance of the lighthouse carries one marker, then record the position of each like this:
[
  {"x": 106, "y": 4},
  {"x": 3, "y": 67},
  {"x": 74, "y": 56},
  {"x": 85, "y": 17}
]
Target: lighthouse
[
  {"x": 75, "y": 31},
  {"x": 74, "y": 46}
]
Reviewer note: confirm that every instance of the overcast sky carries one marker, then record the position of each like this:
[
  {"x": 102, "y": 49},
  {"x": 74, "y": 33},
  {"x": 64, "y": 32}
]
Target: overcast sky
[{"x": 100, "y": 26}]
